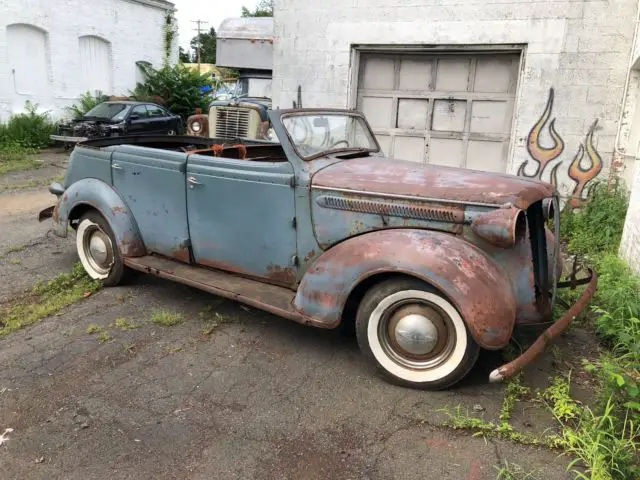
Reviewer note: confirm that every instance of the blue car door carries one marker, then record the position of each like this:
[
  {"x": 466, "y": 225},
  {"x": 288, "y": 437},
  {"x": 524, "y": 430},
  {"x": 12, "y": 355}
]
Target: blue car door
[
  {"x": 152, "y": 183},
  {"x": 242, "y": 217}
]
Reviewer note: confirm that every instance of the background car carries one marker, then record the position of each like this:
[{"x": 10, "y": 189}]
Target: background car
[{"x": 113, "y": 119}]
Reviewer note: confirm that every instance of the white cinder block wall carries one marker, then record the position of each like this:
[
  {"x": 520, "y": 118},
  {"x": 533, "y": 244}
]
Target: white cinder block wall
[
  {"x": 579, "y": 48},
  {"x": 134, "y": 29}
]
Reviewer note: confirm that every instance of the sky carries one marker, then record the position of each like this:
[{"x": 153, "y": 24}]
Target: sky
[{"x": 210, "y": 11}]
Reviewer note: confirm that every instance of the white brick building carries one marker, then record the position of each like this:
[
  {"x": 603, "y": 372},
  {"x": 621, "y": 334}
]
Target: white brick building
[
  {"x": 536, "y": 88},
  {"x": 53, "y": 51}
]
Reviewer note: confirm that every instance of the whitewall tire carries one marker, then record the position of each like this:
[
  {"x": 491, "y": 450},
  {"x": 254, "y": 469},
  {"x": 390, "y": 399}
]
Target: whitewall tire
[{"x": 415, "y": 335}]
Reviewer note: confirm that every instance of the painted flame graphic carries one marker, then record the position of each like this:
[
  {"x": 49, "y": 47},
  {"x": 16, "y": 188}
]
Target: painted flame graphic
[
  {"x": 583, "y": 176},
  {"x": 543, "y": 155}
]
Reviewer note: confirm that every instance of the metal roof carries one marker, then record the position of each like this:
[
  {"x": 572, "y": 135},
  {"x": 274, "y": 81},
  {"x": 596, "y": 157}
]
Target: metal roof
[{"x": 252, "y": 28}]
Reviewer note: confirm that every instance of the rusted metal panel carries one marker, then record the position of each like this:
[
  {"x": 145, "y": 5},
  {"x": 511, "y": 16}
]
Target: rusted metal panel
[
  {"x": 554, "y": 331},
  {"x": 394, "y": 177},
  {"x": 241, "y": 216},
  {"x": 466, "y": 275},
  {"x": 96, "y": 194},
  {"x": 339, "y": 215},
  {"x": 152, "y": 183}
]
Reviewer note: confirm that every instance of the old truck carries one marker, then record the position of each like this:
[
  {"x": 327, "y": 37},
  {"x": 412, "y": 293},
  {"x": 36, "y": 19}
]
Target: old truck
[
  {"x": 244, "y": 44},
  {"x": 430, "y": 263}
]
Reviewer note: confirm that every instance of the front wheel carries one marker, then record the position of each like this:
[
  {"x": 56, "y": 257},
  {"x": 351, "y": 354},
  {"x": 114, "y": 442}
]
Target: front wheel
[
  {"x": 98, "y": 250},
  {"x": 415, "y": 335}
]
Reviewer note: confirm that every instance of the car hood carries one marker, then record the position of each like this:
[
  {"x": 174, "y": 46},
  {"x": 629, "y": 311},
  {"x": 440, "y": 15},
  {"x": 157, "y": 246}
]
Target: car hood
[{"x": 385, "y": 176}]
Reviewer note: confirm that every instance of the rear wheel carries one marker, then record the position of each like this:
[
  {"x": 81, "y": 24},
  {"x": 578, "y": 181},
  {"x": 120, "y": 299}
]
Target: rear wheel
[
  {"x": 98, "y": 249},
  {"x": 415, "y": 335}
]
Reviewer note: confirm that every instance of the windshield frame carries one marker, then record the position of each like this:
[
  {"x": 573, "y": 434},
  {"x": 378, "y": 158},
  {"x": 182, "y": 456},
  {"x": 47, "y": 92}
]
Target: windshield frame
[{"x": 328, "y": 112}]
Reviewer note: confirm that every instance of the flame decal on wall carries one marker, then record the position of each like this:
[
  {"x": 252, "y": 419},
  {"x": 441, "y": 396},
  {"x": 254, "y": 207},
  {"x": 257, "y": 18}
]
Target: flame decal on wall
[
  {"x": 543, "y": 155},
  {"x": 582, "y": 176}
]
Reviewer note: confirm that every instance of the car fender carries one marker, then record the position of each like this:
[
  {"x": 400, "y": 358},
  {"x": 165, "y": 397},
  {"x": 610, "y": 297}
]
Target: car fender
[
  {"x": 478, "y": 287},
  {"x": 101, "y": 196}
]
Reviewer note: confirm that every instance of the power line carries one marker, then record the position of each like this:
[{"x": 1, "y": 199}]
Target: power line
[{"x": 198, "y": 29}]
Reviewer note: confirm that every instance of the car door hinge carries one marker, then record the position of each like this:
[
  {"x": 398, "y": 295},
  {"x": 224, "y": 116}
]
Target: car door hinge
[
  {"x": 295, "y": 260},
  {"x": 186, "y": 243},
  {"x": 294, "y": 222},
  {"x": 292, "y": 181}
]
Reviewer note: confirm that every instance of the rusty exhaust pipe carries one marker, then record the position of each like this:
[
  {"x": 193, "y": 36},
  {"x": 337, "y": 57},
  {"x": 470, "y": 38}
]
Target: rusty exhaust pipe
[{"x": 502, "y": 227}]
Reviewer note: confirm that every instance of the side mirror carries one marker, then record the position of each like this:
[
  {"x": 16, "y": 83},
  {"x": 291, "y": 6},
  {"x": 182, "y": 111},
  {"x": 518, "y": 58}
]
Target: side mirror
[{"x": 134, "y": 116}]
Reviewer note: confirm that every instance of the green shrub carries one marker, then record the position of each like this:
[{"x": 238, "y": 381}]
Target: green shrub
[
  {"x": 27, "y": 130},
  {"x": 597, "y": 228},
  {"x": 85, "y": 103},
  {"x": 177, "y": 86}
]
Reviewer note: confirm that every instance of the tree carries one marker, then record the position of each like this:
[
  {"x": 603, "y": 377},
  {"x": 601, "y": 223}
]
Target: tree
[
  {"x": 264, "y": 8},
  {"x": 184, "y": 56},
  {"x": 207, "y": 42},
  {"x": 177, "y": 87}
]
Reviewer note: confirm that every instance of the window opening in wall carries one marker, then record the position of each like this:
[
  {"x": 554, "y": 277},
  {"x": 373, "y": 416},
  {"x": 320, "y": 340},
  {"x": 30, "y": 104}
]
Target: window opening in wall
[
  {"x": 96, "y": 64},
  {"x": 28, "y": 59}
]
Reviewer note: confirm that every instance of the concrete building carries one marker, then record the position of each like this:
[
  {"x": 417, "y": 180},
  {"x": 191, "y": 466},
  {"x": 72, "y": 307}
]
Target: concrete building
[
  {"x": 53, "y": 51},
  {"x": 544, "y": 89}
]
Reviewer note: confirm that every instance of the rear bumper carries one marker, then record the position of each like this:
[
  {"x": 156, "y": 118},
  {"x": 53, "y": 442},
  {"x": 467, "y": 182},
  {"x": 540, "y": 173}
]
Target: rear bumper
[
  {"x": 534, "y": 351},
  {"x": 67, "y": 139}
]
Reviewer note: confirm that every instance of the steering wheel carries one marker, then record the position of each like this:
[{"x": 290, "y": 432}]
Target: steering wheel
[{"x": 338, "y": 143}]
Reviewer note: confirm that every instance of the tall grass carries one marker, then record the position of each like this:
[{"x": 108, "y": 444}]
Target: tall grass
[
  {"x": 605, "y": 440},
  {"x": 27, "y": 130}
]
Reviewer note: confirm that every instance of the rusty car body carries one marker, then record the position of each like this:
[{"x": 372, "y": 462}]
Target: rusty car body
[{"x": 430, "y": 263}]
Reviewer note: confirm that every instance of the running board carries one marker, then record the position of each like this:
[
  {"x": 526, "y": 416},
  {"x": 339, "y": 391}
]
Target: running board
[{"x": 263, "y": 296}]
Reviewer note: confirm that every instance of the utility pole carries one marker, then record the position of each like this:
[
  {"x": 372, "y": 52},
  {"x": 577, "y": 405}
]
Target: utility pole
[{"x": 198, "y": 29}]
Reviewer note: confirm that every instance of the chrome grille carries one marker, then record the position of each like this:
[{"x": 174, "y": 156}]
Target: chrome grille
[{"x": 232, "y": 123}]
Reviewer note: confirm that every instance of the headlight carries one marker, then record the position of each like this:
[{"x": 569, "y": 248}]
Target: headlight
[
  {"x": 271, "y": 134},
  {"x": 196, "y": 126}
]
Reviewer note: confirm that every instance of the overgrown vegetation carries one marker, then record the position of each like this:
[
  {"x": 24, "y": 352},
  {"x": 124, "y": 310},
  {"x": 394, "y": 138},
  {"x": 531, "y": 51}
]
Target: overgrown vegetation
[
  {"x": 605, "y": 439},
  {"x": 21, "y": 136},
  {"x": 177, "y": 87},
  {"x": 166, "y": 318},
  {"x": 27, "y": 130},
  {"x": 46, "y": 299},
  {"x": 86, "y": 102}
]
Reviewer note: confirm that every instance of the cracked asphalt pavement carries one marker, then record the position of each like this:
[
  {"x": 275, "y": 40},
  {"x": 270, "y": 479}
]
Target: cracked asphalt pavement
[{"x": 257, "y": 398}]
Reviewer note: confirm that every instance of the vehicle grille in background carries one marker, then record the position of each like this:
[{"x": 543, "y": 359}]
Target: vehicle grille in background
[{"x": 232, "y": 123}]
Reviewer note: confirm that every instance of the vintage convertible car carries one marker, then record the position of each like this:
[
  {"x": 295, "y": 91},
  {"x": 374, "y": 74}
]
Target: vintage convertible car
[{"x": 431, "y": 263}]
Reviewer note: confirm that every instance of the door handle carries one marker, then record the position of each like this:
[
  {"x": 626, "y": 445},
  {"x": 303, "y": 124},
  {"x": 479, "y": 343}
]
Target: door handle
[
  {"x": 115, "y": 166},
  {"x": 193, "y": 181}
]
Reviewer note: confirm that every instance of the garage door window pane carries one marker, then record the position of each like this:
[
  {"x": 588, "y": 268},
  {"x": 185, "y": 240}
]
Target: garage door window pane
[
  {"x": 453, "y": 74},
  {"x": 489, "y": 117},
  {"x": 377, "y": 111},
  {"x": 412, "y": 113},
  {"x": 409, "y": 148},
  {"x": 485, "y": 156},
  {"x": 444, "y": 151},
  {"x": 493, "y": 75},
  {"x": 379, "y": 73},
  {"x": 449, "y": 115},
  {"x": 415, "y": 74}
]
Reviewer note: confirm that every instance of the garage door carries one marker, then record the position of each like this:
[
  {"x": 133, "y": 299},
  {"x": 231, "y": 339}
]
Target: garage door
[{"x": 452, "y": 109}]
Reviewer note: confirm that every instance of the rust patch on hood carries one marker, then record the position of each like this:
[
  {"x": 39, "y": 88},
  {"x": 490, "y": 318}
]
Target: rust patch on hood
[{"x": 397, "y": 177}]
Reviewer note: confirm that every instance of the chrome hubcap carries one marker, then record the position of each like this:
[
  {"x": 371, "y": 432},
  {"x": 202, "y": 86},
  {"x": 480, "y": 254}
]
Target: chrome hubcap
[
  {"x": 416, "y": 334},
  {"x": 98, "y": 250}
]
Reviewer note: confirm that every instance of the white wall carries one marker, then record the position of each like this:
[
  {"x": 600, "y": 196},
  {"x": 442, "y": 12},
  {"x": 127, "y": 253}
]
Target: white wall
[
  {"x": 579, "y": 48},
  {"x": 127, "y": 31}
]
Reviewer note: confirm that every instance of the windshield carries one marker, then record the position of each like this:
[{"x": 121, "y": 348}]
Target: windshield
[
  {"x": 254, "y": 87},
  {"x": 314, "y": 135},
  {"x": 109, "y": 111}
]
